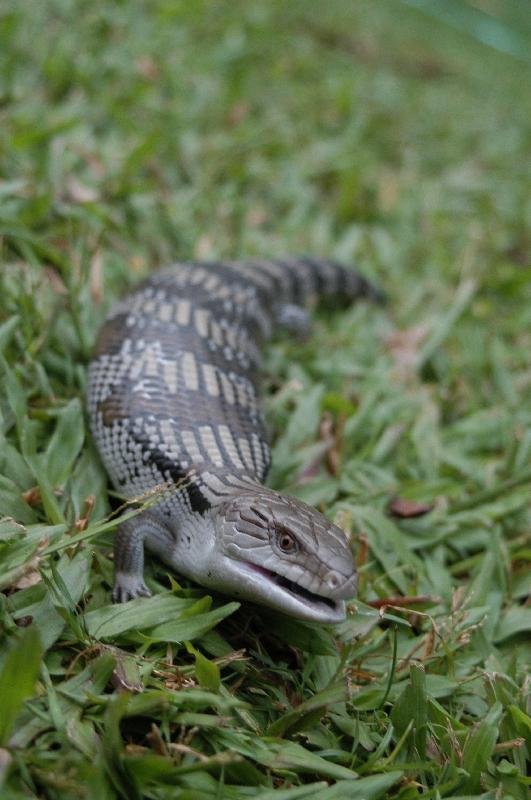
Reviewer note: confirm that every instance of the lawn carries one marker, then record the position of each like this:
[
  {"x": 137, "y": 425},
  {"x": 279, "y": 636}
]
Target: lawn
[{"x": 395, "y": 136}]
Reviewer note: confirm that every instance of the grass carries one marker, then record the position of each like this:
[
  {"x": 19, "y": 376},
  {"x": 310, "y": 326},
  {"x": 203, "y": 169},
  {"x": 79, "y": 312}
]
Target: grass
[{"x": 132, "y": 134}]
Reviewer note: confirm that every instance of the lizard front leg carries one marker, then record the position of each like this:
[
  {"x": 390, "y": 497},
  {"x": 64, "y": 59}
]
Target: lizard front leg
[{"x": 146, "y": 530}]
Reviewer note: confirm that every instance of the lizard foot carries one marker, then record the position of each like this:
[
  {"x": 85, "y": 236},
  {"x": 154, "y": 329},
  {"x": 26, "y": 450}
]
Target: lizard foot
[{"x": 128, "y": 586}]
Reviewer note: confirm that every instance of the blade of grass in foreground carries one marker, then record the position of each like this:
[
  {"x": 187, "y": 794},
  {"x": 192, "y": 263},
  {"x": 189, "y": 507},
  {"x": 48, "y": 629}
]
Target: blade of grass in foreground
[
  {"x": 480, "y": 25},
  {"x": 479, "y": 747},
  {"x": 18, "y": 677}
]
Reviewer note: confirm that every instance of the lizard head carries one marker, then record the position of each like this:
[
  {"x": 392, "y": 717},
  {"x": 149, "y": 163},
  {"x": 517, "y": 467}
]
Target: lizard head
[{"x": 279, "y": 552}]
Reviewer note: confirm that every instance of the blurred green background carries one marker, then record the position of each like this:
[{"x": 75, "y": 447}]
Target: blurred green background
[{"x": 391, "y": 135}]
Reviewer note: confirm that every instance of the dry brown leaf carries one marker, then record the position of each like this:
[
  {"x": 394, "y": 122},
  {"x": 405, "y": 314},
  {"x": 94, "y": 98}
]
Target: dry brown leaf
[
  {"x": 404, "y": 347},
  {"x": 96, "y": 277},
  {"x": 147, "y": 68},
  {"x": 32, "y": 496},
  {"x": 404, "y": 509},
  {"x": 237, "y": 113}
]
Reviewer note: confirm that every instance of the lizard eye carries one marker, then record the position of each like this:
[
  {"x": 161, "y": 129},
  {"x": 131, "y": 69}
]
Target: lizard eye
[{"x": 286, "y": 541}]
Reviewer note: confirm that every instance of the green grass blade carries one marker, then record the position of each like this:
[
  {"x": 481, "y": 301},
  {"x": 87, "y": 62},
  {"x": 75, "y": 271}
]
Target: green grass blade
[{"x": 18, "y": 675}]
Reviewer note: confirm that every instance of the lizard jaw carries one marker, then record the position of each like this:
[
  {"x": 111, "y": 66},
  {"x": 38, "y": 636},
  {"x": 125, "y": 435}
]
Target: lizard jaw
[
  {"x": 317, "y": 606},
  {"x": 242, "y": 579}
]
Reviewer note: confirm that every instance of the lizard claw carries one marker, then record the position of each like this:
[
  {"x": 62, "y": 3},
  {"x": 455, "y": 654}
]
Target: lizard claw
[{"x": 127, "y": 586}]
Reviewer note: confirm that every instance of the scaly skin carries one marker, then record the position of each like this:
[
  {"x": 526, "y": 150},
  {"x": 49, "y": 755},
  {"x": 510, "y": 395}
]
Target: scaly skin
[{"x": 173, "y": 400}]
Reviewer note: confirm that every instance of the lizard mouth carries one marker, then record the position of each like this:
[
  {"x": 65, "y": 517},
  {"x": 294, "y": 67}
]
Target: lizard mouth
[
  {"x": 325, "y": 607},
  {"x": 300, "y": 591}
]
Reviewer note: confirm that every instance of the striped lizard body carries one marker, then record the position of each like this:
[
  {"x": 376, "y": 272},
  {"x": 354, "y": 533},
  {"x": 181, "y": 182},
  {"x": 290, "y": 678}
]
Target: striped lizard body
[{"x": 172, "y": 398}]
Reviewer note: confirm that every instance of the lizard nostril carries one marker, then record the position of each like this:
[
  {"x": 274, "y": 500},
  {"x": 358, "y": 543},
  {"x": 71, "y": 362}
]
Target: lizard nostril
[
  {"x": 333, "y": 581},
  {"x": 340, "y": 586}
]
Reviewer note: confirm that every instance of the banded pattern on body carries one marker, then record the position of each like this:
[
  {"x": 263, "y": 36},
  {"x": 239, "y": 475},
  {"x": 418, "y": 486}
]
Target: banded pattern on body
[{"x": 173, "y": 386}]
